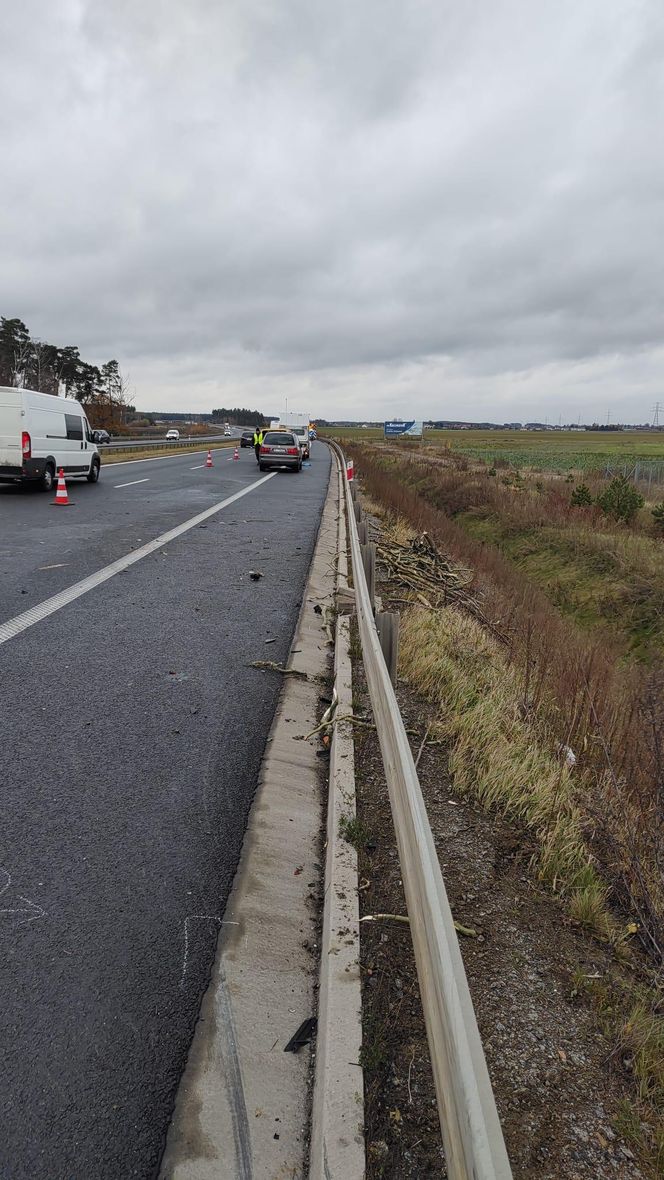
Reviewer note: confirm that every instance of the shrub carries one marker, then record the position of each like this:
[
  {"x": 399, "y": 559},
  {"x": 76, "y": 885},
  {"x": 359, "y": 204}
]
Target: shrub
[
  {"x": 620, "y": 500},
  {"x": 581, "y": 496},
  {"x": 491, "y": 471},
  {"x": 658, "y": 514}
]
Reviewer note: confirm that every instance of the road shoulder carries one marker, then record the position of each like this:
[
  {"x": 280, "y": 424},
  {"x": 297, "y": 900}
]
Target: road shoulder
[{"x": 242, "y": 1108}]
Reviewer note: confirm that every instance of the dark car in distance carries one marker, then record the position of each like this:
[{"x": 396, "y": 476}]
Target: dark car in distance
[
  {"x": 280, "y": 448},
  {"x": 101, "y": 436},
  {"x": 247, "y": 438}
]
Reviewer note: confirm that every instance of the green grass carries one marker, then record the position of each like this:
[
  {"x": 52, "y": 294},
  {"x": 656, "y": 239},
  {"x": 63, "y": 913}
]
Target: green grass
[
  {"x": 559, "y": 451},
  {"x": 543, "y": 450},
  {"x": 603, "y": 582},
  {"x": 353, "y": 831}
]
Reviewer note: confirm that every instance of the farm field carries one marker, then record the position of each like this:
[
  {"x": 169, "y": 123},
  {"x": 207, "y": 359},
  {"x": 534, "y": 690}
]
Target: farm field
[{"x": 567, "y": 450}]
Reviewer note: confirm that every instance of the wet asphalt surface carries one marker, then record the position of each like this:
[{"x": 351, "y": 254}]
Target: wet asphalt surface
[{"x": 131, "y": 731}]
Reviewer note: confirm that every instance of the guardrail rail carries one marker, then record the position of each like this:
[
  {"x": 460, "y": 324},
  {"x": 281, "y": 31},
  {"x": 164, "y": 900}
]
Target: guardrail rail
[
  {"x": 167, "y": 444},
  {"x": 471, "y": 1131}
]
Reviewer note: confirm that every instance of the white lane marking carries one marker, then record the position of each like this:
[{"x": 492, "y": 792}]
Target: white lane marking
[
  {"x": 14, "y": 627},
  {"x": 59, "y": 565},
  {"x": 132, "y": 482},
  {"x": 197, "y": 467}
]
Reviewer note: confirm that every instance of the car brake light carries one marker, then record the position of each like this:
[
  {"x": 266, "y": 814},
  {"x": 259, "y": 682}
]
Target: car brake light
[
  {"x": 292, "y": 451},
  {"x": 26, "y": 445},
  {"x": 264, "y": 449}
]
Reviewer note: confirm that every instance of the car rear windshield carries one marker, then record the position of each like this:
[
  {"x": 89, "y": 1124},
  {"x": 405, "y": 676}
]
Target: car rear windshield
[{"x": 278, "y": 438}]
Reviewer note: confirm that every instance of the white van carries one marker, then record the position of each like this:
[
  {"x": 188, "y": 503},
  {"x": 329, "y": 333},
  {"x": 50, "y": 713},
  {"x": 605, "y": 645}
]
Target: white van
[
  {"x": 299, "y": 424},
  {"x": 39, "y": 434}
]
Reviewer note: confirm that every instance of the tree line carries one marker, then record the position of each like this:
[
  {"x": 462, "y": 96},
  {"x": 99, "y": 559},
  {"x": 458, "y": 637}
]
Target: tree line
[
  {"x": 30, "y": 363},
  {"x": 239, "y": 415}
]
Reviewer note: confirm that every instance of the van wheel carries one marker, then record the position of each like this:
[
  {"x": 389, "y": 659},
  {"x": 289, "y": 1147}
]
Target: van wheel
[
  {"x": 93, "y": 474},
  {"x": 48, "y": 478}
]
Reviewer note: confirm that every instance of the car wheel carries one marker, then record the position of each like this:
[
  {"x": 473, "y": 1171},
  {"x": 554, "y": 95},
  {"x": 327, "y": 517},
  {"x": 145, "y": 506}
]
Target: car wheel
[
  {"x": 93, "y": 473},
  {"x": 48, "y": 478}
]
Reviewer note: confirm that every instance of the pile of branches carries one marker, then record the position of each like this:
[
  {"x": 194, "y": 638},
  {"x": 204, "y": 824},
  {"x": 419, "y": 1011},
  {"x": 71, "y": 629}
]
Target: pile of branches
[{"x": 429, "y": 579}]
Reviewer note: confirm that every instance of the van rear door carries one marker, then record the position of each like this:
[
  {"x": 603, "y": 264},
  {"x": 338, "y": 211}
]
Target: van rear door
[{"x": 10, "y": 428}]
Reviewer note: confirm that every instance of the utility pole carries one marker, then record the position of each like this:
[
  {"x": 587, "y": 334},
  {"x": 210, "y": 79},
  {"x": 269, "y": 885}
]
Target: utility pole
[{"x": 655, "y": 412}]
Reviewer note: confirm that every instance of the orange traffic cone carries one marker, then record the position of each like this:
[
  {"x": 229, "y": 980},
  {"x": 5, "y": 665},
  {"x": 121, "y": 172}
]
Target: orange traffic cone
[
  {"x": 61, "y": 496},
  {"x": 208, "y": 461},
  {"x": 236, "y": 454}
]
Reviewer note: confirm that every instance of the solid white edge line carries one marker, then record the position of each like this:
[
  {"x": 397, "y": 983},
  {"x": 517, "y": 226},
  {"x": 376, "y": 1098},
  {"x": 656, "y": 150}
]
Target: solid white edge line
[
  {"x": 132, "y": 482},
  {"x": 20, "y": 623}
]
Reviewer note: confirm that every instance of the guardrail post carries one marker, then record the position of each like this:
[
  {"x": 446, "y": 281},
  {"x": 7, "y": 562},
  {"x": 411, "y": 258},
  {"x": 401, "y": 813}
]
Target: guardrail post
[
  {"x": 387, "y": 625},
  {"x": 359, "y": 514},
  {"x": 369, "y": 562},
  {"x": 363, "y": 532},
  {"x": 353, "y": 490}
]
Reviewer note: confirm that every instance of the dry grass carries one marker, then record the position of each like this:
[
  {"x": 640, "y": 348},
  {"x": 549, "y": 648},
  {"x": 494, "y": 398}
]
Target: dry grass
[
  {"x": 508, "y": 761},
  {"x": 497, "y": 756},
  {"x": 610, "y": 713},
  {"x": 504, "y": 711},
  {"x": 631, "y": 1015}
]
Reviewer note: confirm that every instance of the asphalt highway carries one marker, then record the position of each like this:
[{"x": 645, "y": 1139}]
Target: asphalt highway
[{"x": 131, "y": 734}]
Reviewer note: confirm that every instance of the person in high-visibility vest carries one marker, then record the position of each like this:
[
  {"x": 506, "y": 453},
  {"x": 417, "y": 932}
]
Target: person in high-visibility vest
[{"x": 258, "y": 438}]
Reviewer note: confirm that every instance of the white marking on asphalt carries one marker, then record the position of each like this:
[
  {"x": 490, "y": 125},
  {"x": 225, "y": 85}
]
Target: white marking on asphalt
[
  {"x": 16, "y": 626},
  {"x": 197, "y": 467},
  {"x": 58, "y": 566},
  {"x": 133, "y": 482},
  {"x": 33, "y": 911}
]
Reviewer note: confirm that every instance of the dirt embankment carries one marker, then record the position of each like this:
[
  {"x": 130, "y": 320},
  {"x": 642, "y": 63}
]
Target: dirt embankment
[{"x": 564, "y": 1087}]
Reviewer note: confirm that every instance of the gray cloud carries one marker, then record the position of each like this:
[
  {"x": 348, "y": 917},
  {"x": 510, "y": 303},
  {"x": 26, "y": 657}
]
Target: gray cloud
[{"x": 430, "y": 206}]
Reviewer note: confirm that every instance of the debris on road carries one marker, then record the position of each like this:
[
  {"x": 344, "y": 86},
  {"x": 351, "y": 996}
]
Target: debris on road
[
  {"x": 255, "y": 575},
  {"x": 468, "y": 931},
  {"x": 270, "y": 666},
  {"x": 303, "y": 1035}
]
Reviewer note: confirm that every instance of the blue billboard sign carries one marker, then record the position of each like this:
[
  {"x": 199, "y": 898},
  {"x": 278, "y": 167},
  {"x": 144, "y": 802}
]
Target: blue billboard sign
[{"x": 398, "y": 429}]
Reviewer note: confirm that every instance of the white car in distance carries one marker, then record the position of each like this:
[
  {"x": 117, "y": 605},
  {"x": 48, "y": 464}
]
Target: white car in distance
[{"x": 173, "y": 434}]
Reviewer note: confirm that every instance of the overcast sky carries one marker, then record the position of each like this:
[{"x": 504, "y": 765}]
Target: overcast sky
[{"x": 447, "y": 208}]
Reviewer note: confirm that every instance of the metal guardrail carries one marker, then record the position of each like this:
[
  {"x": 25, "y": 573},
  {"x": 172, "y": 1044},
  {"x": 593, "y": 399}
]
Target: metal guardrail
[
  {"x": 472, "y": 1136},
  {"x": 167, "y": 444}
]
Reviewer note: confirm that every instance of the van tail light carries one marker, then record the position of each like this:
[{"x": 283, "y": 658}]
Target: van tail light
[
  {"x": 292, "y": 450},
  {"x": 26, "y": 445}
]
